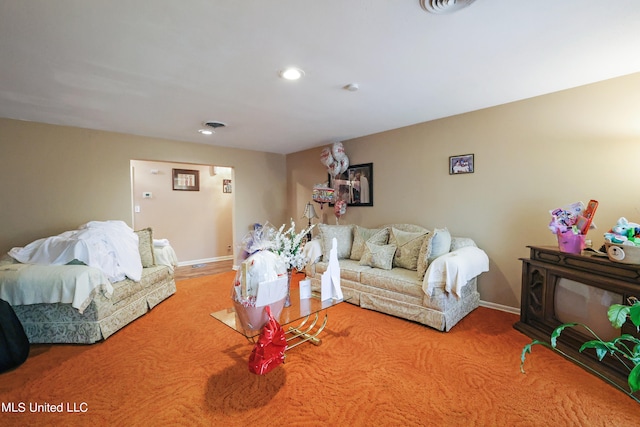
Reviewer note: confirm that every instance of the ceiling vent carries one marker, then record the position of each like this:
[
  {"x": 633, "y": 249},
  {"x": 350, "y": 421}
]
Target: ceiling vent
[
  {"x": 214, "y": 125},
  {"x": 441, "y": 7}
]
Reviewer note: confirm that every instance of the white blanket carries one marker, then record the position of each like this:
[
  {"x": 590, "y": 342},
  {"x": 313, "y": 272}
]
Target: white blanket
[
  {"x": 312, "y": 250},
  {"x": 165, "y": 255},
  {"x": 453, "y": 270},
  {"x": 22, "y": 284},
  {"x": 110, "y": 246}
]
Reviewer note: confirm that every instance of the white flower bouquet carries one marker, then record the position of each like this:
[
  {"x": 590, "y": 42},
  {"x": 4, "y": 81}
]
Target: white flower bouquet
[{"x": 288, "y": 244}]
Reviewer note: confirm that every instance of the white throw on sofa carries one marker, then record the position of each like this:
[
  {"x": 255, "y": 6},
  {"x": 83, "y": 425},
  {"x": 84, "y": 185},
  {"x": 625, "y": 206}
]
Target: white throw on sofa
[
  {"x": 404, "y": 270},
  {"x": 77, "y": 303}
]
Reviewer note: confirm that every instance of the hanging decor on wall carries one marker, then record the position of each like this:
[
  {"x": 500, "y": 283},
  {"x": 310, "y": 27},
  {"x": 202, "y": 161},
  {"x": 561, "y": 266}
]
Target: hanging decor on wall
[
  {"x": 226, "y": 186},
  {"x": 461, "y": 164},
  {"x": 354, "y": 186},
  {"x": 186, "y": 179}
]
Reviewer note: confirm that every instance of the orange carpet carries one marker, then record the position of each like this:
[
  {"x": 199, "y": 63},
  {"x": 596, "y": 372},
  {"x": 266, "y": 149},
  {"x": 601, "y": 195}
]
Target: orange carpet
[{"x": 177, "y": 365}]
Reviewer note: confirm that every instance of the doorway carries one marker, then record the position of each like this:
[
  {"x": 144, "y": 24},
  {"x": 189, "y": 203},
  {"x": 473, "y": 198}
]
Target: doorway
[{"x": 196, "y": 219}]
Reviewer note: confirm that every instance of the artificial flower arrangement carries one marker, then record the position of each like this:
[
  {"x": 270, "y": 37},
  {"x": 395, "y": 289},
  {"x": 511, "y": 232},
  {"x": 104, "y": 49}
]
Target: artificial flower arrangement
[
  {"x": 288, "y": 244},
  {"x": 269, "y": 257}
]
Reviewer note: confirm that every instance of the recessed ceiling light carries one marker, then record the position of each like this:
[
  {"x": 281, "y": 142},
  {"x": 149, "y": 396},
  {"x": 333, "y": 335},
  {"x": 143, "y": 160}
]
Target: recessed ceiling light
[
  {"x": 291, "y": 73},
  {"x": 205, "y": 131}
]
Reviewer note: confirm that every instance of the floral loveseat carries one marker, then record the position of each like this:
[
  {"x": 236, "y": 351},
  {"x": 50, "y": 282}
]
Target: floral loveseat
[
  {"x": 108, "y": 307},
  {"x": 404, "y": 270}
]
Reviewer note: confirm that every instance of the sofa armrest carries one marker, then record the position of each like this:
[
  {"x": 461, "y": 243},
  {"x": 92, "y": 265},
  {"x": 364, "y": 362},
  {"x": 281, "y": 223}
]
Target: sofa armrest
[{"x": 461, "y": 242}]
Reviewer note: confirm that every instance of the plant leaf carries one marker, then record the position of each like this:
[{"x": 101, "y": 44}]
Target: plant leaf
[
  {"x": 527, "y": 349},
  {"x": 557, "y": 331},
  {"x": 602, "y": 348},
  {"x": 636, "y": 350},
  {"x": 627, "y": 337},
  {"x": 617, "y": 314},
  {"x": 634, "y": 379},
  {"x": 634, "y": 313}
]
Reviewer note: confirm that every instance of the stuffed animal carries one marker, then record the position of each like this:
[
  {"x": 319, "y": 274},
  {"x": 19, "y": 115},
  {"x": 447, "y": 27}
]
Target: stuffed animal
[
  {"x": 623, "y": 226},
  {"x": 624, "y": 232}
]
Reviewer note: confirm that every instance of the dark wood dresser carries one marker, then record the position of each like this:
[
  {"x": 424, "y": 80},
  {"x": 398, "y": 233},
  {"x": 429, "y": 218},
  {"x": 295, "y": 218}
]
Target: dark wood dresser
[{"x": 542, "y": 272}]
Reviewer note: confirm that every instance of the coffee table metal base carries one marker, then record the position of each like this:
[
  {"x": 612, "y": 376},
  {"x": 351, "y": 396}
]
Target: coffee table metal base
[
  {"x": 312, "y": 313},
  {"x": 310, "y": 334}
]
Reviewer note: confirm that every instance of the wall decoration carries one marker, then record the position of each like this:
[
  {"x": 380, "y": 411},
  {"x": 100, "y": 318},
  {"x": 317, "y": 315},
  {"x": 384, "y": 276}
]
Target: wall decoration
[
  {"x": 354, "y": 185},
  {"x": 226, "y": 186},
  {"x": 461, "y": 164},
  {"x": 186, "y": 179}
]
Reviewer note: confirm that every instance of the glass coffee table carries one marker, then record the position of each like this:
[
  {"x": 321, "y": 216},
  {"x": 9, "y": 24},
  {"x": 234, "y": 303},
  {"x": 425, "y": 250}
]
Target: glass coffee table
[{"x": 302, "y": 322}]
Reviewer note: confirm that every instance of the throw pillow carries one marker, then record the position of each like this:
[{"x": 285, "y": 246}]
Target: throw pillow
[
  {"x": 409, "y": 245},
  {"x": 436, "y": 244},
  {"x": 344, "y": 235},
  {"x": 145, "y": 246},
  {"x": 379, "y": 256},
  {"x": 361, "y": 235}
]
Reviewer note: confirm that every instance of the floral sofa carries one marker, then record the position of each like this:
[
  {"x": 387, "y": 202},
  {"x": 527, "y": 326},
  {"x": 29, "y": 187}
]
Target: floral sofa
[
  {"x": 404, "y": 270},
  {"x": 110, "y": 307}
]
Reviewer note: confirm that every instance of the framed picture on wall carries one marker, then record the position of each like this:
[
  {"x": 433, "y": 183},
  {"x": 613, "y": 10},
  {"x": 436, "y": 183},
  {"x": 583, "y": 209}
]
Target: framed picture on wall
[
  {"x": 226, "y": 186},
  {"x": 186, "y": 180},
  {"x": 461, "y": 164},
  {"x": 354, "y": 186}
]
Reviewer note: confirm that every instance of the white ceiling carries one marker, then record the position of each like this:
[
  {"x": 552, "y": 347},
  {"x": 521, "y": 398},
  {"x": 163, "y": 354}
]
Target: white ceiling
[{"x": 160, "y": 68}]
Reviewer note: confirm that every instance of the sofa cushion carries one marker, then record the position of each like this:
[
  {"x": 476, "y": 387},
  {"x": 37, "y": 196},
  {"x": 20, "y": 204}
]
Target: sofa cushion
[
  {"x": 437, "y": 243},
  {"x": 145, "y": 247},
  {"x": 344, "y": 236},
  {"x": 398, "y": 280},
  {"x": 379, "y": 236},
  {"x": 409, "y": 245},
  {"x": 379, "y": 256},
  {"x": 151, "y": 276},
  {"x": 349, "y": 269}
]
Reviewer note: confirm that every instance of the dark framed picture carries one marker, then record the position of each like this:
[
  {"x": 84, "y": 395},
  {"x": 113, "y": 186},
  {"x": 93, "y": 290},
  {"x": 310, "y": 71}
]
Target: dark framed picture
[
  {"x": 461, "y": 164},
  {"x": 226, "y": 186},
  {"x": 354, "y": 186},
  {"x": 186, "y": 180}
]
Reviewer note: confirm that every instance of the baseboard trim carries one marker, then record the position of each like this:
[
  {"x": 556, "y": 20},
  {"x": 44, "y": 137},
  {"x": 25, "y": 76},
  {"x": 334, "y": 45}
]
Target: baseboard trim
[
  {"x": 500, "y": 307},
  {"x": 205, "y": 260}
]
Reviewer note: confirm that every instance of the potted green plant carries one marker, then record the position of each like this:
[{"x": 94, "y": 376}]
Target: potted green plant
[{"x": 625, "y": 348}]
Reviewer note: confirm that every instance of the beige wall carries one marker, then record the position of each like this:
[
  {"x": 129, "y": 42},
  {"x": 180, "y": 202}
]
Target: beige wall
[
  {"x": 55, "y": 178},
  {"x": 197, "y": 223},
  {"x": 531, "y": 156}
]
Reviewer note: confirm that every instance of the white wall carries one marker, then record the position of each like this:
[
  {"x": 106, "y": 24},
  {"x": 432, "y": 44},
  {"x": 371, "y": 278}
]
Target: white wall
[
  {"x": 58, "y": 177},
  {"x": 199, "y": 224},
  {"x": 531, "y": 156}
]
